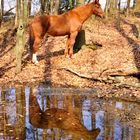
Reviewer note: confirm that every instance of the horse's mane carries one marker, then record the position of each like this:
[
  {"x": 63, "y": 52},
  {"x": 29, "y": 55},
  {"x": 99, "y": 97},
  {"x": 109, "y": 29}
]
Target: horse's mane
[{"x": 80, "y": 8}]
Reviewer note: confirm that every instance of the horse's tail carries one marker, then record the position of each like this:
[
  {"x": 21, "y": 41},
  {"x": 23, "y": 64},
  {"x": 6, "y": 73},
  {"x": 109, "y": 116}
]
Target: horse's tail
[{"x": 31, "y": 38}]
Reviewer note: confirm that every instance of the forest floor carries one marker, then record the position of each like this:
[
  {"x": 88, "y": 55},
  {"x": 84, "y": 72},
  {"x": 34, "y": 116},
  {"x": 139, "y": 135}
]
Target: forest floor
[{"x": 112, "y": 68}]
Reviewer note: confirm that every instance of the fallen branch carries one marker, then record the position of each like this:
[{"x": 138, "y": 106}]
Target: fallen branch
[
  {"x": 81, "y": 75},
  {"x": 110, "y": 79}
]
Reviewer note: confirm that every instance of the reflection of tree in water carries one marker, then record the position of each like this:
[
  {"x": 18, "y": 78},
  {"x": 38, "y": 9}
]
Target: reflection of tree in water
[
  {"x": 61, "y": 121},
  {"x": 64, "y": 115},
  {"x": 12, "y": 114}
]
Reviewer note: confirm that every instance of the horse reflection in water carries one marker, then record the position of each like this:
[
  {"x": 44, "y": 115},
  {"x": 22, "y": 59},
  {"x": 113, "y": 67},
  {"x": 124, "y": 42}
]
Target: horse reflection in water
[
  {"x": 63, "y": 119},
  {"x": 69, "y": 23}
]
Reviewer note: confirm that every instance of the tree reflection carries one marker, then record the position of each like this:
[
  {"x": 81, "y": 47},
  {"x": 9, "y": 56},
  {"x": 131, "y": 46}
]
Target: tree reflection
[
  {"x": 33, "y": 114},
  {"x": 65, "y": 120},
  {"x": 12, "y": 115}
]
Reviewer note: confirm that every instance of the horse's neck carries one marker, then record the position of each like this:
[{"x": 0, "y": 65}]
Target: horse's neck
[{"x": 85, "y": 11}]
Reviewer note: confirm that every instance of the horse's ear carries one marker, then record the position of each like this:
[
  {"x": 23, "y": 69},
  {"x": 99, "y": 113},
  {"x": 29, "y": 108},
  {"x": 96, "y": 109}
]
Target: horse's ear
[{"x": 96, "y": 1}]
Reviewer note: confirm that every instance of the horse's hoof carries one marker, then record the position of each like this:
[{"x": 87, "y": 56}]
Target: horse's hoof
[
  {"x": 35, "y": 62},
  {"x": 66, "y": 56},
  {"x": 71, "y": 56},
  {"x": 34, "y": 59}
]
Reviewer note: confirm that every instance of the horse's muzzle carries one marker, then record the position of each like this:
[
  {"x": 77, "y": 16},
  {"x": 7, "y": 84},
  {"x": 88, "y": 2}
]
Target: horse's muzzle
[{"x": 102, "y": 15}]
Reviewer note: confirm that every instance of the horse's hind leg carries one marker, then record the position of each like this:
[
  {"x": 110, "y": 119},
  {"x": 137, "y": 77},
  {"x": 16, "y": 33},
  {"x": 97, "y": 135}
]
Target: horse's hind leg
[{"x": 35, "y": 49}]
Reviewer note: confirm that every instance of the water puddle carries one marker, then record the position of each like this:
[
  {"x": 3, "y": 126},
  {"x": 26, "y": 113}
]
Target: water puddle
[{"x": 64, "y": 114}]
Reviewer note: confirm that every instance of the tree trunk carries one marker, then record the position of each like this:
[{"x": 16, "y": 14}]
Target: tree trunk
[
  {"x": 118, "y": 19},
  {"x": 29, "y": 7},
  {"x": 17, "y": 13},
  {"x": 20, "y": 110},
  {"x": 128, "y": 7},
  {"x": 116, "y": 4},
  {"x": 111, "y": 8},
  {"x": 137, "y": 7},
  {"x": 51, "y": 6},
  {"x": 19, "y": 46},
  {"x": 106, "y": 8},
  {"x": 71, "y": 4},
  {"x": 1, "y": 11},
  {"x": 80, "y": 2},
  {"x": 22, "y": 20},
  {"x": 43, "y": 6},
  {"x": 56, "y": 7},
  {"x": 25, "y": 12}
]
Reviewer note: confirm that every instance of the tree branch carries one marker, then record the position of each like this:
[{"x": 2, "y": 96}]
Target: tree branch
[{"x": 9, "y": 11}]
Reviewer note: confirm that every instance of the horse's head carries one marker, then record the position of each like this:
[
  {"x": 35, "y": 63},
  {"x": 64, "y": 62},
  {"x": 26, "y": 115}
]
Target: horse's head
[{"x": 97, "y": 10}]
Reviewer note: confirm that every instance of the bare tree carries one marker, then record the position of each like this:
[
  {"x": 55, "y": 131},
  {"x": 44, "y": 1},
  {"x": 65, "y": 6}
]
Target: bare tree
[
  {"x": 1, "y": 11},
  {"x": 111, "y": 8},
  {"x": 43, "y": 6},
  {"x": 107, "y": 7},
  {"x": 17, "y": 13},
  {"x": 80, "y": 2},
  {"x": 56, "y": 7},
  {"x": 128, "y": 7},
  {"x": 25, "y": 12},
  {"x": 22, "y": 11},
  {"x": 118, "y": 16},
  {"x": 137, "y": 6},
  {"x": 29, "y": 7}
]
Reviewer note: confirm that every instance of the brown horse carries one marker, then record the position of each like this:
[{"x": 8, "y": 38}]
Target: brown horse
[{"x": 69, "y": 23}]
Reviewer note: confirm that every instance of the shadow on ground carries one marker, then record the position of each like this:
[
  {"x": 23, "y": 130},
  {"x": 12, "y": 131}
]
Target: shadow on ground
[{"x": 133, "y": 43}]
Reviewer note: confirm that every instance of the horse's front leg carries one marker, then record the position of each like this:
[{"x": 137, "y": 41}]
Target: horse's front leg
[
  {"x": 35, "y": 49},
  {"x": 71, "y": 43},
  {"x": 67, "y": 46}
]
